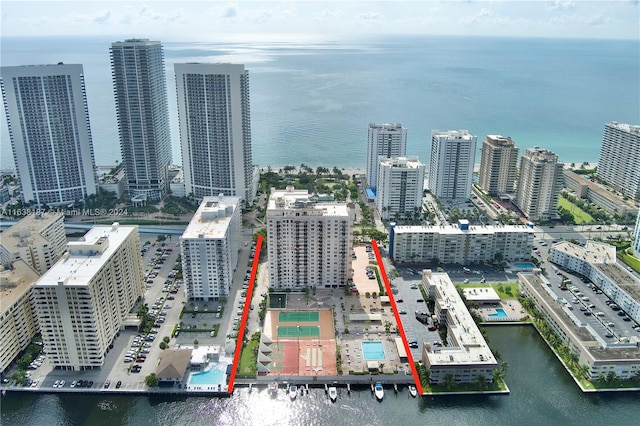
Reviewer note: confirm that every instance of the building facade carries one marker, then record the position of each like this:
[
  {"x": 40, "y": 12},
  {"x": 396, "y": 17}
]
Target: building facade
[
  {"x": 18, "y": 322},
  {"x": 598, "y": 194},
  {"x": 636, "y": 238},
  {"x": 38, "y": 239},
  {"x": 309, "y": 243},
  {"x": 386, "y": 141},
  {"x": 48, "y": 122},
  {"x": 498, "y": 165},
  {"x": 461, "y": 244},
  {"x": 451, "y": 166},
  {"x": 209, "y": 248},
  {"x": 539, "y": 184},
  {"x": 82, "y": 301},
  {"x": 215, "y": 130},
  {"x": 619, "y": 163},
  {"x": 466, "y": 356},
  {"x": 399, "y": 188},
  {"x": 139, "y": 86}
]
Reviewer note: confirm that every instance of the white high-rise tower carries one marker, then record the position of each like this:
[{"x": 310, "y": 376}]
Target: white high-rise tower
[
  {"x": 385, "y": 140},
  {"x": 451, "y": 164}
]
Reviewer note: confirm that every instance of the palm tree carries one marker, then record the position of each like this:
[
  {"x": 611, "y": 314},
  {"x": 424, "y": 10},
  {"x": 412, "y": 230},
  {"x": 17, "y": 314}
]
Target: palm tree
[
  {"x": 449, "y": 381},
  {"x": 481, "y": 382}
]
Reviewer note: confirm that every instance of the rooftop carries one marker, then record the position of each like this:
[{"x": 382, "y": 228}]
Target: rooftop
[
  {"x": 15, "y": 280},
  {"x": 592, "y": 251},
  {"x": 26, "y": 232},
  {"x": 455, "y": 229},
  {"x": 291, "y": 200},
  {"x": 212, "y": 218}
]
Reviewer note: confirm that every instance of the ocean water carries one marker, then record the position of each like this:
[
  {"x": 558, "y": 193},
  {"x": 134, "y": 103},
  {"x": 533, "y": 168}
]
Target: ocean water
[{"x": 311, "y": 101}]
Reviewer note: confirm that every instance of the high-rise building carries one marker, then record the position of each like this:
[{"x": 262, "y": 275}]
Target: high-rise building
[
  {"x": 48, "y": 121},
  {"x": 539, "y": 184},
  {"x": 636, "y": 238},
  {"x": 386, "y": 141},
  {"x": 209, "y": 248},
  {"x": 400, "y": 186},
  {"x": 451, "y": 168},
  {"x": 215, "y": 130},
  {"x": 38, "y": 239},
  {"x": 498, "y": 165},
  {"x": 139, "y": 85},
  {"x": 619, "y": 163},
  {"x": 83, "y": 301},
  {"x": 309, "y": 243}
]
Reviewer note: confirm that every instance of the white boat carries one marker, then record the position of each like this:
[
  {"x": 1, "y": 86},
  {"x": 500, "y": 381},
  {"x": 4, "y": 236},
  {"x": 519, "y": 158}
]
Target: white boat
[
  {"x": 293, "y": 392},
  {"x": 413, "y": 391},
  {"x": 333, "y": 393},
  {"x": 379, "y": 391}
]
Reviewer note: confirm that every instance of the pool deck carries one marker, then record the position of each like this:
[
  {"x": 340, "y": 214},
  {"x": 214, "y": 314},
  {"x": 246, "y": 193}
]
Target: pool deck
[{"x": 512, "y": 308}]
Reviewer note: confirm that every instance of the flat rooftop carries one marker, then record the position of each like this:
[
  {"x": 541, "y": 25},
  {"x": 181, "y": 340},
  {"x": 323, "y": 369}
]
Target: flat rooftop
[
  {"x": 212, "y": 218},
  {"x": 27, "y": 231},
  {"x": 592, "y": 251},
  {"x": 15, "y": 280},
  {"x": 292, "y": 200}
]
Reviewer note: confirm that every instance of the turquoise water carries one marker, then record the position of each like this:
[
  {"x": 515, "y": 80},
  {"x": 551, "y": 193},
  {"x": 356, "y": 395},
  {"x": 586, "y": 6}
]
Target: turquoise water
[
  {"x": 372, "y": 351},
  {"x": 213, "y": 376},
  {"x": 500, "y": 313},
  {"x": 524, "y": 265}
]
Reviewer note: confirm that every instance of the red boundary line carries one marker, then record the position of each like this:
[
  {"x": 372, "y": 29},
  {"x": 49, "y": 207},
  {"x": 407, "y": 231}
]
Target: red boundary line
[
  {"x": 387, "y": 286},
  {"x": 245, "y": 314}
]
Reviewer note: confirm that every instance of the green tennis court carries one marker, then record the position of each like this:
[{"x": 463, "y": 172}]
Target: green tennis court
[
  {"x": 303, "y": 316},
  {"x": 298, "y": 331}
]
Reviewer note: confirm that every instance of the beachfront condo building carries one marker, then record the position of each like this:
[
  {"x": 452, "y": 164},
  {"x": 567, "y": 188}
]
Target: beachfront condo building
[
  {"x": 619, "y": 164},
  {"x": 309, "y": 243},
  {"x": 498, "y": 165},
  {"x": 462, "y": 243},
  {"x": 466, "y": 355},
  {"x": 38, "y": 239},
  {"x": 539, "y": 184},
  {"x": 18, "y": 322},
  {"x": 139, "y": 86},
  {"x": 48, "y": 122},
  {"x": 84, "y": 300},
  {"x": 386, "y": 141},
  {"x": 399, "y": 189},
  {"x": 215, "y": 130},
  {"x": 451, "y": 168},
  {"x": 209, "y": 248}
]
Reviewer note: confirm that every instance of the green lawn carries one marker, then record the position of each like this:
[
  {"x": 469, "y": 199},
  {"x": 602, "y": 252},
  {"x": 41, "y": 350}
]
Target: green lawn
[
  {"x": 503, "y": 295},
  {"x": 248, "y": 359},
  {"x": 630, "y": 260},
  {"x": 580, "y": 216}
]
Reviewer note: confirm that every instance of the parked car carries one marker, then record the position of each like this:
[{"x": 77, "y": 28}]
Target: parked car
[{"x": 118, "y": 384}]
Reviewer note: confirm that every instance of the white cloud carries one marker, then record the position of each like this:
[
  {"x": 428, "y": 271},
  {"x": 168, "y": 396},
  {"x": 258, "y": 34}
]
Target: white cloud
[
  {"x": 561, "y": 4},
  {"x": 485, "y": 12},
  {"x": 230, "y": 11},
  {"x": 369, "y": 15}
]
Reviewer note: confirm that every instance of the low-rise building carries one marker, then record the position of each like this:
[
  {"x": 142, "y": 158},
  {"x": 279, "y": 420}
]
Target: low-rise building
[
  {"x": 466, "y": 356},
  {"x": 598, "y": 194}
]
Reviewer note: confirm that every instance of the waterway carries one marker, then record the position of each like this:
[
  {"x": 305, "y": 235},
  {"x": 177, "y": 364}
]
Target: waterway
[{"x": 542, "y": 393}]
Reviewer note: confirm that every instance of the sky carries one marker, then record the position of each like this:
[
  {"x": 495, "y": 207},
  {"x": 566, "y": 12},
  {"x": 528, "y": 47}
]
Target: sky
[{"x": 273, "y": 20}]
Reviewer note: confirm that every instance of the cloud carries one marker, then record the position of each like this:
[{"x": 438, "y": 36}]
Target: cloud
[
  {"x": 592, "y": 21},
  {"x": 369, "y": 15},
  {"x": 561, "y": 4},
  {"x": 228, "y": 11},
  {"x": 485, "y": 12},
  {"x": 102, "y": 17}
]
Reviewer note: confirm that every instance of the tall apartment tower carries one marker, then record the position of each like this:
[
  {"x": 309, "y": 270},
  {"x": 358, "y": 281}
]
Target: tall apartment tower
[
  {"x": 38, "y": 239},
  {"x": 385, "y": 140},
  {"x": 209, "y": 248},
  {"x": 48, "y": 122},
  {"x": 309, "y": 243},
  {"x": 139, "y": 86},
  {"x": 539, "y": 184},
  {"x": 400, "y": 186},
  {"x": 619, "y": 163},
  {"x": 451, "y": 168},
  {"x": 215, "y": 130},
  {"x": 83, "y": 301},
  {"x": 498, "y": 165}
]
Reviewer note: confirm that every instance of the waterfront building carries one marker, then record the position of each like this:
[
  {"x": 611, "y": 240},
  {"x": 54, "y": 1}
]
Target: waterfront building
[
  {"x": 38, "y": 239},
  {"x": 636, "y": 238},
  {"x": 309, "y": 243},
  {"x": 461, "y": 244},
  {"x": 599, "y": 355},
  {"x": 498, "y": 165},
  {"x": 595, "y": 192},
  {"x": 113, "y": 180},
  {"x": 451, "y": 167},
  {"x": 619, "y": 164},
  {"x": 18, "y": 322},
  {"x": 209, "y": 248},
  {"x": 386, "y": 141},
  {"x": 466, "y": 355},
  {"x": 215, "y": 130},
  {"x": 84, "y": 300},
  {"x": 399, "y": 188},
  {"x": 48, "y": 121},
  {"x": 539, "y": 184},
  {"x": 139, "y": 86}
]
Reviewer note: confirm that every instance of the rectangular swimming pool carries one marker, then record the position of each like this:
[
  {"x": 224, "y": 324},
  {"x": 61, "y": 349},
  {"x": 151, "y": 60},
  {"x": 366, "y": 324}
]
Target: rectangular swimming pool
[{"x": 373, "y": 351}]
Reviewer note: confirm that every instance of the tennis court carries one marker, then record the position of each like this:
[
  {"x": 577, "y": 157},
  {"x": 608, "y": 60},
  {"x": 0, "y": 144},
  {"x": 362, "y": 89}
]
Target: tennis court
[
  {"x": 298, "y": 331},
  {"x": 299, "y": 316}
]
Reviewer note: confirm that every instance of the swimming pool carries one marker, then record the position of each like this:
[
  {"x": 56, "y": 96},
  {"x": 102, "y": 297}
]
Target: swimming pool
[
  {"x": 212, "y": 376},
  {"x": 524, "y": 265},
  {"x": 372, "y": 351},
  {"x": 500, "y": 313}
]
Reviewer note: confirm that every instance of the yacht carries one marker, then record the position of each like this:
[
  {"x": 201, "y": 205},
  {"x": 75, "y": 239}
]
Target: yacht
[
  {"x": 293, "y": 392},
  {"x": 333, "y": 393},
  {"x": 379, "y": 391},
  {"x": 413, "y": 391}
]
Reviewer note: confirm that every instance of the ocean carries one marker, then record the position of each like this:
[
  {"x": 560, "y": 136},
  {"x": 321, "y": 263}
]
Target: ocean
[{"x": 312, "y": 100}]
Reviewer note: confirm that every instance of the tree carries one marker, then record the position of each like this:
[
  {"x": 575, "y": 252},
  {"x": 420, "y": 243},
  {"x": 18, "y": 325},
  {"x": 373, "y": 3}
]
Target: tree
[
  {"x": 481, "y": 382},
  {"x": 166, "y": 339},
  {"x": 151, "y": 380},
  {"x": 195, "y": 342},
  {"x": 449, "y": 381},
  {"x": 163, "y": 346}
]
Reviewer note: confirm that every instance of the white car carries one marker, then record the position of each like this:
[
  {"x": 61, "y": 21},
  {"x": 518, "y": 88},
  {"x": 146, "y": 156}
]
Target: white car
[
  {"x": 56, "y": 384},
  {"x": 61, "y": 385}
]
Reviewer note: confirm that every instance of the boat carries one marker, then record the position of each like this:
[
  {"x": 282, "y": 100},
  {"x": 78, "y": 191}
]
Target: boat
[
  {"x": 413, "y": 391},
  {"x": 293, "y": 392},
  {"x": 333, "y": 393},
  {"x": 273, "y": 389},
  {"x": 379, "y": 391}
]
